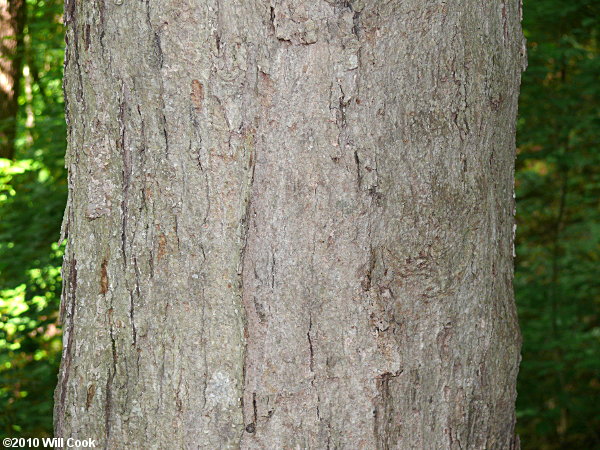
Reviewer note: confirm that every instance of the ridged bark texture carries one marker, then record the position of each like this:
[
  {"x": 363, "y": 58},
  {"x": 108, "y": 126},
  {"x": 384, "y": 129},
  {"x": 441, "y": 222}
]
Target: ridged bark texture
[{"x": 290, "y": 224}]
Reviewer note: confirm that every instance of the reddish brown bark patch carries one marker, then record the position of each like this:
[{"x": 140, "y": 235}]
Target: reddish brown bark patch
[
  {"x": 197, "y": 95},
  {"x": 103, "y": 278}
]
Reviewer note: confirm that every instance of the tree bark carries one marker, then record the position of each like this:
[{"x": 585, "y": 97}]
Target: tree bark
[
  {"x": 290, "y": 224},
  {"x": 12, "y": 22}
]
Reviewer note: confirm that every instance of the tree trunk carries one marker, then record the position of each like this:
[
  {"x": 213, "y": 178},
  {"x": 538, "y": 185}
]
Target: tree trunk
[
  {"x": 290, "y": 224},
  {"x": 12, "y": 21}
]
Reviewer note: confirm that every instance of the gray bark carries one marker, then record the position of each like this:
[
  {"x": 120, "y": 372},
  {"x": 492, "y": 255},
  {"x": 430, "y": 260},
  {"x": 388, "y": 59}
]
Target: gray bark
[{"x": 290, "y": 224}]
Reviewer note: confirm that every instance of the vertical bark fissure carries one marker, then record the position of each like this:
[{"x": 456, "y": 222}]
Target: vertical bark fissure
[
  {"x": 132, "y": 319},
  {"x": 310, "y": 347},
  {"x": 384, "y": 413},
  {"x": 108, "y": 407},
  {"x": 126, "y": 174},
  {"x": 247, "y": 191},
  {"x": 67, "y": 318},
  {"x": 111, "y": 370}
]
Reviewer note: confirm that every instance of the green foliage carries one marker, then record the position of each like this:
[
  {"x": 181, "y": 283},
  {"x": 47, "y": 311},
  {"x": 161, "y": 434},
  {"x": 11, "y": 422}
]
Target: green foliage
[
  {"x": 32, "y": 199},
  {"x": 558, "y": 187}
]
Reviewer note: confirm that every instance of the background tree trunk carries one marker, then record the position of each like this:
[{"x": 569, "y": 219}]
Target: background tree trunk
[
  {"x": 290, "y": 224},
  {"x": 12, "y": 21}
]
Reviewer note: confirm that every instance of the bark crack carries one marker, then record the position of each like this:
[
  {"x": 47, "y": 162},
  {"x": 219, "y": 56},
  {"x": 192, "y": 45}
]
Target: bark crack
[
  {"x": 245, "y": 226},
  {"x": 126, "y": 173},
  {"x": 358, "y": 172},
  {"x": 107, "y": 408},
  {"x": 384, "y": 409},
  {"x": 310, "y": 346},
  {"x": 132, "y": 319},
  {"x": 69, "y": 298},
  {"x": 109, "y": 379}
]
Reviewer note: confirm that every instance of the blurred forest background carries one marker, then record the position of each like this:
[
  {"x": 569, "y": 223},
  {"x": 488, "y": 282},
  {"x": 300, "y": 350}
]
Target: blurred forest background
[{"x": 558, "y": 191}]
